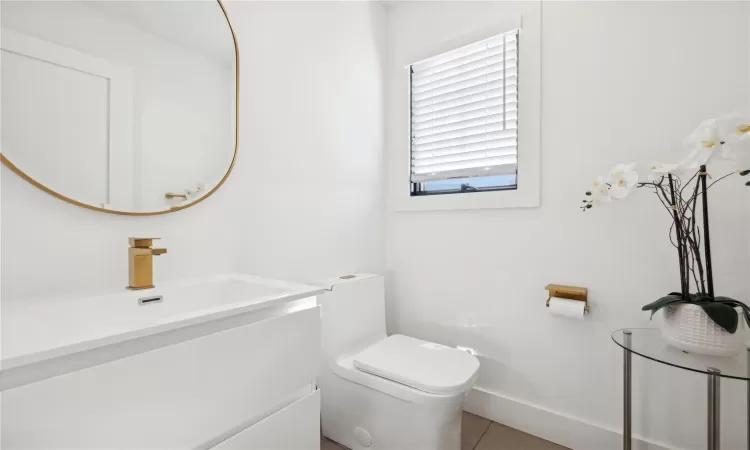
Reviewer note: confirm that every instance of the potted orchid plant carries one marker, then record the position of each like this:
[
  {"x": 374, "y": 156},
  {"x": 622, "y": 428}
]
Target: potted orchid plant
[{"x": 695, "y": 319}]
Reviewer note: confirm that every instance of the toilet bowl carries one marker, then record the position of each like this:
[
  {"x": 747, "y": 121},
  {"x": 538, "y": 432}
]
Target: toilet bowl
[{"x": 384, "y": 392}]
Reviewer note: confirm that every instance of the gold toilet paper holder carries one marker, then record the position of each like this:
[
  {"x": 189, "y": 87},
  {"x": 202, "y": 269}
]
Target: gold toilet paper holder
[{"x": 569, "y": 292}]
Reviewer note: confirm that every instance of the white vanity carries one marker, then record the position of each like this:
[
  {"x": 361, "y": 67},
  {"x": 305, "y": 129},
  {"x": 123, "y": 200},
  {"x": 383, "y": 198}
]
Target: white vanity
[
  {"x": 225, "y": 362},
  {"x": 130, "y": 108}
]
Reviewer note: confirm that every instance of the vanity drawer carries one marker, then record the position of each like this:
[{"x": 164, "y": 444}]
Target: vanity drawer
[
  {"x": 176, "y": 397},
  {"x": 295, "y": 427}
]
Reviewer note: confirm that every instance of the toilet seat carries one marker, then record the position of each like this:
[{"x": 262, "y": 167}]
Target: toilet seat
[
  {"x": 425, "y": 366},
  {"x": 344, "y": 368}
]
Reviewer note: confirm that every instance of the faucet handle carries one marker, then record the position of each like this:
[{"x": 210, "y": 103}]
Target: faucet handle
[{"x": 140, "y": 242}]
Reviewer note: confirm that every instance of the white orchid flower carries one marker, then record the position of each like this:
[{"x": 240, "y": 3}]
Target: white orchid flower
[
  {"x": 734, "y": 131},
  {"x": 622, "y": 168},
  {"x": 726, "y": 138},
  {"x": 658, "y": 170},
  {"x": 732, "y": 125},
  {"x": 624, "y": 178},
  {"x": 600, "y": 191},
  {"x": 743, "y": 152},
  {"x": 706, "y": 135},
  {"x": 703, "y": 144}
]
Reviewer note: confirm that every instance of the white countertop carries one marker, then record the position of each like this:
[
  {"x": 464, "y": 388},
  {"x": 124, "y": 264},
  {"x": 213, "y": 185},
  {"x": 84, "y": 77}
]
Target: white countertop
[{"x": 35, "y": 330}]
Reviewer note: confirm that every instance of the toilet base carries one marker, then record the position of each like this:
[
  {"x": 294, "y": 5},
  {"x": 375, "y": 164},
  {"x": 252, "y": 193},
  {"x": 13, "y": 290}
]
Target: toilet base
[{"x": 362, "y": 418}]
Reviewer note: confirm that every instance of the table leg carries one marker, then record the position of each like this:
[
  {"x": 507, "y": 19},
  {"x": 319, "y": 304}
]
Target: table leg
[
  {"x": 714, "y": 409},
  {"x": 627, "y": 436}
]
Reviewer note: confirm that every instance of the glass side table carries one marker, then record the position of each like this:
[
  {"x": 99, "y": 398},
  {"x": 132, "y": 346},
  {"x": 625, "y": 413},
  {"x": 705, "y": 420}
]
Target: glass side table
[{"x": 648, "y": 343}]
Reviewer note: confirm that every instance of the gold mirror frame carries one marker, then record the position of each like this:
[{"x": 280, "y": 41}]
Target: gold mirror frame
[{"x": 26, "y": 177}]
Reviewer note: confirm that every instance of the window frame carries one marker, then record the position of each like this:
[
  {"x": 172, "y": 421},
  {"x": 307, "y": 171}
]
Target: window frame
[{"x": 527, "y": 192}]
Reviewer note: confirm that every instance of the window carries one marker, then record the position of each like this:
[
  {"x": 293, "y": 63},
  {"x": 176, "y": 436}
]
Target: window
[{"x": 464, "y": 118}]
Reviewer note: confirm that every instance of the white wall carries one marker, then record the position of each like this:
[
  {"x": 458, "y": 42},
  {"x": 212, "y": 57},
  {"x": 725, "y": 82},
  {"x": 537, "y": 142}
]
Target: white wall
[
  {"x": 621, "y": 81},
  {"x": 313, "y": 132},
  {"x": 304, "y": 200}
]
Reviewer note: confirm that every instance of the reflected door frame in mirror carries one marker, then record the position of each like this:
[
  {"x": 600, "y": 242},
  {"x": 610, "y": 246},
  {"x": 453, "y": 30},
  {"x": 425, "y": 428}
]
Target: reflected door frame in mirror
[{"x": 171, "y": 209}]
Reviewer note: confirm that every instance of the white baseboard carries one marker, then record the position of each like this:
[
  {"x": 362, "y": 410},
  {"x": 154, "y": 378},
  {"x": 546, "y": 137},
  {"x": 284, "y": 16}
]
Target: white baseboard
[{"x": 554, "y": 426}]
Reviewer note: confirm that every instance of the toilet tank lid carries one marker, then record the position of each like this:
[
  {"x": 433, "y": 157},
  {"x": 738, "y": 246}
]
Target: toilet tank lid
[
  {"x": 331, "y": 283},
  {"x": 423, "y": 365}
]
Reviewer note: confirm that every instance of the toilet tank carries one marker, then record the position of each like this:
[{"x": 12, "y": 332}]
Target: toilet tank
[{"x": 352, "y": 314}]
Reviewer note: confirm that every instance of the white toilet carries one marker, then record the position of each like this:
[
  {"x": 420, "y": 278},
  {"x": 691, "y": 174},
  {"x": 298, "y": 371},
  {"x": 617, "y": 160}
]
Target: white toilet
[{"x": 386, "y": 393}]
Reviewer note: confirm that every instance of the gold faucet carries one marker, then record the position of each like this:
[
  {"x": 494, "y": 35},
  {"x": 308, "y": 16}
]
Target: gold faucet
[{"x": 141, "y": 262}]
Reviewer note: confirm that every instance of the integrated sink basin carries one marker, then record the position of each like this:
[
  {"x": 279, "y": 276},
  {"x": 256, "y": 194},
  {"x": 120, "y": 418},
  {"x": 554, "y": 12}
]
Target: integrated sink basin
[{"x": 39, "y": 330}]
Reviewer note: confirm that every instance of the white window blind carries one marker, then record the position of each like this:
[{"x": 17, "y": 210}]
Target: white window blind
[{"x": 464, "y": 107}]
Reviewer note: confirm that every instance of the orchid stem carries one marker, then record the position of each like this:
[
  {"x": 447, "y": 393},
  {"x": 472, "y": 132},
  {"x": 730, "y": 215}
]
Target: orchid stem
[
  {"x": 684, "y": 286},
  {"x": 706, "y": 234}
]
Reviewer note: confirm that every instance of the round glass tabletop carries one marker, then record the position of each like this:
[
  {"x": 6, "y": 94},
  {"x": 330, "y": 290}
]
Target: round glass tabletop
[{"x": 648, "y": 343}]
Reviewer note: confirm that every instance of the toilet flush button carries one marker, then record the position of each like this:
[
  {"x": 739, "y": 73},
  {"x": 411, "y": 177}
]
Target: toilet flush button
[{"x": 363, "y": 437}]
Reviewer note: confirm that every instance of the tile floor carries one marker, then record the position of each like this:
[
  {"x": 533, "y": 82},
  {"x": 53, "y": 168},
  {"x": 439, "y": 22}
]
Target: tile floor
[{"x": 478, "y": 433}]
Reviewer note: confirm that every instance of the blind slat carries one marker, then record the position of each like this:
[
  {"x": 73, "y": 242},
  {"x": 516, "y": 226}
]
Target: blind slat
[
  {"x": 463, "y": 148},
  {"x": 491, "y": 118},
  {"x": 419, "y": 79},
  {"x": 474, "y": 78},
  {"x": 468, "y": 164},
  {"x": 467, "y": 101},
  {"x": 479, "y": 88},
  {"x": 464, "y": 115},
  {"x": 463, "y": 140},
  {"x": 468, "y": 156},
  {"x": 453, "y": 115},
  {"x": 464, "y": 75},
  {"x": 481, "y": 130},
  {"x": 507, "y": 169},
  {"x": 480, "y": 50},
  {"x": 457, "y": 118}
]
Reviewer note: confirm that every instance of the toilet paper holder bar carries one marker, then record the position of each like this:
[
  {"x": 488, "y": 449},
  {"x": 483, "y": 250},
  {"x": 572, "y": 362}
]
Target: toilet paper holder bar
[{"x": 569, "y": 292}]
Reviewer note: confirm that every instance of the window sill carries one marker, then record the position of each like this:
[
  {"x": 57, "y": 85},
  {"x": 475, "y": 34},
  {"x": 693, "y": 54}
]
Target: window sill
[{"x": 498, "y": 199}]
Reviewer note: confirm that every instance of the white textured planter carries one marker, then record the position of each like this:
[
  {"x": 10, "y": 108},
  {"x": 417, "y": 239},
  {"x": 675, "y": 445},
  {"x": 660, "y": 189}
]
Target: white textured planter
[{"x": 687, "y": 327}]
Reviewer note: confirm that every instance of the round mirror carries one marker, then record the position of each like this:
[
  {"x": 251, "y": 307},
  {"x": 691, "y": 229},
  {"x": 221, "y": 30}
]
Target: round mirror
[{"x": 126, "y": 107}]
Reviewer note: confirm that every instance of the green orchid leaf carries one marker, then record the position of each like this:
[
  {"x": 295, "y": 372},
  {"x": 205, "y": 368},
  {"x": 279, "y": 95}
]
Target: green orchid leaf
[
  {"x": 734, "y": 303},
  {"x": 662, "y": 302},
  {"x": 744, "y": 172},
  {"x": 722, "y": 314}
]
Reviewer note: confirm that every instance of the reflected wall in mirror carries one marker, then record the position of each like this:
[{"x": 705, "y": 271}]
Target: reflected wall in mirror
[{"x": 128, "y": 107}]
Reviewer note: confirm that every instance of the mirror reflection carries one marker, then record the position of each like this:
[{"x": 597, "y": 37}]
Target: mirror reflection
[{"x": 126, "y": 106}]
